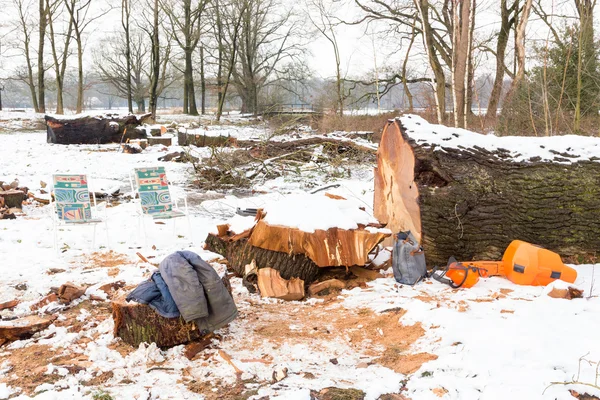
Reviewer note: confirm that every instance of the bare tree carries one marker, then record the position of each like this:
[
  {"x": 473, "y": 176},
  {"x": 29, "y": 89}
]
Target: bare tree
[
  {"x": 586, "y": 56},
  {"x": 125, "y": 18},
  {"x": 43, "y": 22},
  {"x": 185, "y": 18},
  {"x": 235, "y": 16},
  {"x": 59, "y": 55},
  {"x": 462, "y": 13},
  {"x": 154, "y": 59},
  {"x": 26, "y": 27},
  {"x": 520, "y": 48},
  {"x": 129, "y": 79},
  {"x": 507, "y": 21},
  {"x": 266, "y": 40},
  {"x": 325, "y": 23},
  {"x": 81, "y": 20}
]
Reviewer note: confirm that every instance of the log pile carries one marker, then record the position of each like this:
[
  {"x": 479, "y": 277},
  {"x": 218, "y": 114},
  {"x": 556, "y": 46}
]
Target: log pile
[
  {"x": 100, "y": 129},
  {"x": 292, "y": 252},
  {"x": 468, "y": 195},
  {"x": 11, "y": 199}
]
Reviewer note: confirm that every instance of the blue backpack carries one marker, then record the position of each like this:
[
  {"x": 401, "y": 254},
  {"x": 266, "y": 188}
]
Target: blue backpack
[{"x": 408, "y": 259}]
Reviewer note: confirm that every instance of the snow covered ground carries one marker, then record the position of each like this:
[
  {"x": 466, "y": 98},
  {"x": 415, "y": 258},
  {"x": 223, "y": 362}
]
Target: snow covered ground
[{"x": 494, "y": 341}]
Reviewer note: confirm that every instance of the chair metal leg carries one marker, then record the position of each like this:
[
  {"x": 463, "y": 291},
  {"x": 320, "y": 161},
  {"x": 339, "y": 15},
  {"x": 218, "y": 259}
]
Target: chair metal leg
[
  {"x": 106, "y": 230},
  {"x": 94, "y": 238},
  {"x": 190, "y": 229}
]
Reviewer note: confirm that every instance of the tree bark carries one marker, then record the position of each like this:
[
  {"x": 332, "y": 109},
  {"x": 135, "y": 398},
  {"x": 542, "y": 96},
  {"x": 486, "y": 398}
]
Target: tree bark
[
  {"x": 434, "y": 62},
  {"x": 137, "y": 323},
  {"x": 505, "y": 26},
  {"x": 470, "y": 203},
  {"x": 202, "y": 82},
  {"x": 41, "y": 70},
  {"x": 154, "y": 63},
  {"x": 520, "y": 49},
  {"x": 240, "y": 253},
  {"x": 125, "y": 11},
  {"x": 94, "y": 129}
]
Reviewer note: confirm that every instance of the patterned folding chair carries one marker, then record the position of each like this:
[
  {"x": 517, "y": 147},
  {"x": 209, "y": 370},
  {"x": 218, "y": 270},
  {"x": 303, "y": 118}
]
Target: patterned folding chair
[
  {"x": 72, "y": 205},
  {"x": 155, "y": 197}
]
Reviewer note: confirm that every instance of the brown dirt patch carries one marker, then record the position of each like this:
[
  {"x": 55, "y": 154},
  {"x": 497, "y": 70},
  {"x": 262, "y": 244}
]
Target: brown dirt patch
[
  {"x": 29, "y": 364},
  {"x": 105, "y": 259},
  {"x": 379, "y": 335},
  {"x": 405, "y": 364},
  {"x": 439, "y": 391}
]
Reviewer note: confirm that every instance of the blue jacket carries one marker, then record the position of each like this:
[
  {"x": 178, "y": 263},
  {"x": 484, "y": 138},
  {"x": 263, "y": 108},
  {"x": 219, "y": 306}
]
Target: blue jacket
[
  {"x": 155, "y": 293},
  {"x": 194, "y": 287}
]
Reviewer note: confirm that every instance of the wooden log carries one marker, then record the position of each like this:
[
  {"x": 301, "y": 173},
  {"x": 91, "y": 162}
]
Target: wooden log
[
  {"x": 12, "y": 198},
  {"x": 185, "y": 139},
  {"x": 327, "y": 248},
  {"x": 465, "y": 200},
  {"x": 329, "y": 284},
  {"x": 23, "y": 328},
  {"x": 100, "y": 129},
  {"x": 163, "y": 141},
  {"x": 9, "y": 304},
  {"x": 271, "y": 284},
  {"x": 240, "y": 253},
  {"x": 69, "y": 292},
  {"x": 137, "y": 323}
]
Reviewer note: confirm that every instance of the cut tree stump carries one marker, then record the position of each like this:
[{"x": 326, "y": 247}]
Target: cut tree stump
[
  {"x": 12, "y": 198},
  {"x": 185, "y": 139},
  {"x": 137, "y": 323},
  {"x": 23, "y": 328},
  {"x": 470, "y": 201},
  {"x": 90, "y": 129},
  {"x": 271, "y": 284}
]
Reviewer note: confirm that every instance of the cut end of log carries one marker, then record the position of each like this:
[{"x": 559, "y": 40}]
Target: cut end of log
[
  {"x": 271, "y": 284},
  {"x": 396, "y": 193}
]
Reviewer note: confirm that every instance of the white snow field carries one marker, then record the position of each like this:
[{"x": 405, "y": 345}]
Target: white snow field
[{"x": 496, "y": 340}]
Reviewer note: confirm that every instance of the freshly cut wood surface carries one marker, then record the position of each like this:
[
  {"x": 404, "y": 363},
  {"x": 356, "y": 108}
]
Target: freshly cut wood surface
[
  {"x": 271, "y": 284},
  {"x": 326, "y": 248}
]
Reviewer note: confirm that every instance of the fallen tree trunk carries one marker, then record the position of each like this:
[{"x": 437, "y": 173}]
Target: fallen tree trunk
[
  {"x": 87, "y": 129},
  {"x": 468, "y": 195},
  {"x": 240, "y": 253}
]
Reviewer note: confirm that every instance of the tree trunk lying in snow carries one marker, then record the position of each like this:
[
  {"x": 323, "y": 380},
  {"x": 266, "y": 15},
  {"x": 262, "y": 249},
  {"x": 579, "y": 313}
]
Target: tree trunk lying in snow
[
  {"x": 291, "y": 251},
  {"x": 87, "y": 129},
  {"x": 468, "y": 195},
  {"x": 240, "y": 253}
]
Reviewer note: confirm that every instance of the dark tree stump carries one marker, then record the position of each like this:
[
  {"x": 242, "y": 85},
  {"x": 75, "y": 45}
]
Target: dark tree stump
[
  {"x": 239, "y": 253},
  {"x": 136, "y": 323},
  {"x": 100, "y": 129},
  {"x": 12, "y": 198},
  {"x": 471, "y": 202}
]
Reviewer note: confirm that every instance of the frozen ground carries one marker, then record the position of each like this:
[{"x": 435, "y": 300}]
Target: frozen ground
[{"x": 494, "y": 341}]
